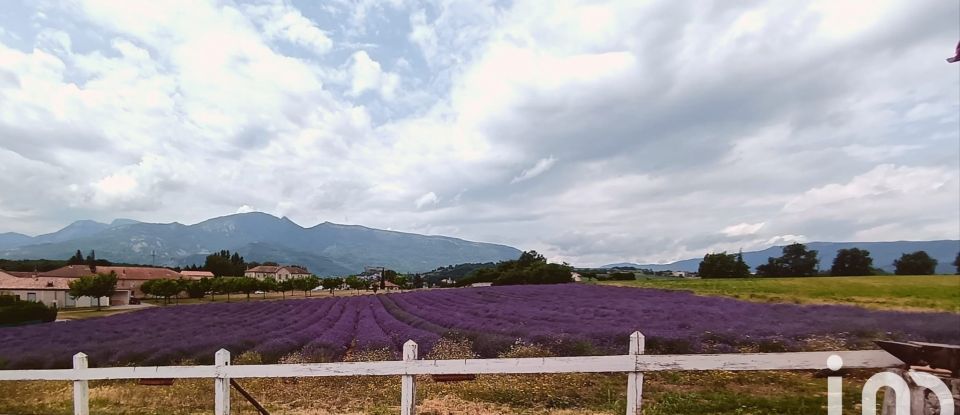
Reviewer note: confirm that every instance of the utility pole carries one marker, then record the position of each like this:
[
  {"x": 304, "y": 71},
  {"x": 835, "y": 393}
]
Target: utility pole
[{"x": 153, "y": 258}]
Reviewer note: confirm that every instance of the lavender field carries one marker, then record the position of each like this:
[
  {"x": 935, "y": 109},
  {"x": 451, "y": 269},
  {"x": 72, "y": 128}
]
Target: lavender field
[{"x": 569, "y": 319}]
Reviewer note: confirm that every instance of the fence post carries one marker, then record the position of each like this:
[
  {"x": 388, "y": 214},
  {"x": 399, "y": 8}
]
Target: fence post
[
  {"x": 81, "y": 389},
  {"x": 635, "y": 379},
  {"x": 221, "y": 384},
  {"x": 408, "y": 386}
]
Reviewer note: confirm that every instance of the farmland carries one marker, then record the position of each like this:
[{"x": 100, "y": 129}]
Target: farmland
[
  {"x": 916, "y": 293},
  {"x": 516, "y": 321},
  {"x": 568, "y": 319}
]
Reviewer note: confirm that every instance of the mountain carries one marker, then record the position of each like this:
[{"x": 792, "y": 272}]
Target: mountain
[
  {"x": 883, "y": 254},
  {"x": 13, "y": 239},
  {"x": 326, "y": 249}
]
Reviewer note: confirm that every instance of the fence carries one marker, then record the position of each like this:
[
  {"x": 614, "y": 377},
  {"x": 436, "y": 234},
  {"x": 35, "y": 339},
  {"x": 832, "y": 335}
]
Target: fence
[{"x": 633, "y": 364}]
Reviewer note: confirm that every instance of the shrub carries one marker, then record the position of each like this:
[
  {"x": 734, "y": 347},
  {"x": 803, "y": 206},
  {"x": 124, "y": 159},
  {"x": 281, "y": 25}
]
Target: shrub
[{"x": 25, "y": 312}]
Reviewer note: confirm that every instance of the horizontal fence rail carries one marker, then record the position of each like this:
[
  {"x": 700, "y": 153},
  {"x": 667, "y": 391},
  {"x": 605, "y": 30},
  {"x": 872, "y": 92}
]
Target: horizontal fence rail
[
  {"x": 586, "y": 364},
  {"x": 634, "y": 364}
]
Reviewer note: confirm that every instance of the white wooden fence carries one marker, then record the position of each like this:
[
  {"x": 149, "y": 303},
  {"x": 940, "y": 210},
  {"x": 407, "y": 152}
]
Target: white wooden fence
[{"x": 634, "y": 364}]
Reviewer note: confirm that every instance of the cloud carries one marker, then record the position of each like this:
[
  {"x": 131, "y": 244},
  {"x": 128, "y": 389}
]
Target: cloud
[
  {"x": 742, "y": 229},
  {"x": 245, "y": 209},
  {"x": 541, "y": 167},
  {"x": 280, "y": 20},
  {"x": 428, "y": 198},
  {"x": 672, "y": 120},
  {"x": 367, "y": 75}
]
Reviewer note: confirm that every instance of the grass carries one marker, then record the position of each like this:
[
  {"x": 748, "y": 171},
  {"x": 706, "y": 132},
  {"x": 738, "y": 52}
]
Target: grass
[
  {"x": 889, "y": 292},
  {"x": 664, "y": 393}
]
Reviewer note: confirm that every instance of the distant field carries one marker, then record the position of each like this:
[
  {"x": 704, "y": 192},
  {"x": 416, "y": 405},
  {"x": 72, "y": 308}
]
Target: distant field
[{"x": 889, "y": 292}]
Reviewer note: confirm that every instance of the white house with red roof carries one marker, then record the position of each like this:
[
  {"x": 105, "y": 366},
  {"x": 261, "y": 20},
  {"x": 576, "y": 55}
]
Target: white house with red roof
[
  {"x": 51, "y": 291},
  {"x": 276, "y": 272},
  {"x": 129, "y": 279}
]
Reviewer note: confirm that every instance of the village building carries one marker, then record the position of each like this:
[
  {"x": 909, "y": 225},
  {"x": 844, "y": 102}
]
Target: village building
[
  {"x": 196, "y": 275},
  {"x": 51, "y": 291},
  {"x": 129, "y": 279},
  {"x": 276, "y": 272}
]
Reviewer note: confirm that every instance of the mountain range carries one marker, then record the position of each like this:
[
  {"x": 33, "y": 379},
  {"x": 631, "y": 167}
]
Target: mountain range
[
  {"x": 883, "y": 254},
  {"x": 326, "y": 249}
]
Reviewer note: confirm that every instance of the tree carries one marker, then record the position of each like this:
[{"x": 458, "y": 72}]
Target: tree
[
  {"x": 917, "y": 263},
  {"x": 96, "y": 286},
  {"x": 956, "y": 262},
  {"x": 796, "y": 261},
  {"x": 284, "y": 286},
  {"x": 853, "y": 261},
  {"x": 198, "y": 288},
  {"x": 417, "y": 281},
  {"x": 92, "y": 261},
  {"x": 247, "y": 285},
  {"x": 331, "y": 284},
  {"x": 165, "y": 288},
  {"x": 305, "y": 284},
  {"x": 269, "y": 284},
  {"x": 76, "y": 259},
  {"x": 223, "y": 264},
  {"x": 723, "y": 265},
  {"x": 355, "y": 283},
  {"x": 530, "y": 268},
  {"x": 401, "y": 281},
  {"x": 225, "y": 285}
]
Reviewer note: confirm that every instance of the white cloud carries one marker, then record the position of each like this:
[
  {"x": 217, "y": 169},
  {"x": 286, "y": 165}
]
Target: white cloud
[
  {"x": 541, "y": 167},
  {"x": 368, "y": 76},
  {"x": 743, "y": 229},
  {"x": 428, "y": 198},
  {"x": 183, "y": 110},
  {"x": 883, "y": 182},
  {"x": 281, "y": 20},
  {"x": 245, "y": 209}
]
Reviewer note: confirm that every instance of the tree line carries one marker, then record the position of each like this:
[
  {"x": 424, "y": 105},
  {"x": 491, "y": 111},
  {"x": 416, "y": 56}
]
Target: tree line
[
  {"x": 530, "y": 268},
  {"x": 799, "y": 261}
]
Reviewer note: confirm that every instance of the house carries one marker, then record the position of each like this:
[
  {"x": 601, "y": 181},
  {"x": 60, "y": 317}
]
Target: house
[
  {"x": 129, "y": 279},
  {"x": 276, "y": 272},
  {"x": 576, "y": 277},
  {"x": 196, "y": 275},
  {"x": 389, "y": 286},
  {"x": 51, "y": 291}
]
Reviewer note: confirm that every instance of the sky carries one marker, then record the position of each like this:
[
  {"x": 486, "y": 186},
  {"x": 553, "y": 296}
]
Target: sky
[{"x": 593, "y": 132}]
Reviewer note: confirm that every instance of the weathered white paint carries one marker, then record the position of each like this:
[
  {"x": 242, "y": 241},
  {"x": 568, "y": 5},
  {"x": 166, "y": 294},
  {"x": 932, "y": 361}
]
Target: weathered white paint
[
  {"x": 103, "y": 373},
  {"x": 635, "y": 379},
  {"x": 634, "y": 364},
  {"x": 581, "y": 364},
  {"x": 408, "y": 385},
  {"x": 221, "y": 384},
  {"x": 81, "y": 389}
]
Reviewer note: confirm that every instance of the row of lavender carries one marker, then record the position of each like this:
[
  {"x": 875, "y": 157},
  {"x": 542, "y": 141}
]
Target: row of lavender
[{"x": 569, "y": 318}]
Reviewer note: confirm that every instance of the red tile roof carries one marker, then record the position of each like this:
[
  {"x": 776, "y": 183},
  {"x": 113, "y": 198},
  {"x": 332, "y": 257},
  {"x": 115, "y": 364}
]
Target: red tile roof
[
  {"x": 297, "y": 270},
  {"x": 21, "y": 274},
  {"x": 123, "y": 273},
  {"x": 196, "y": 274},
  {"x": 267, "y": 269},
  {"x": 10, "y": 282}
]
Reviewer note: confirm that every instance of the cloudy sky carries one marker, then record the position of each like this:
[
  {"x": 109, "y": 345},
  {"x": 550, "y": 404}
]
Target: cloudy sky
[{"x": 594, "y": 132}]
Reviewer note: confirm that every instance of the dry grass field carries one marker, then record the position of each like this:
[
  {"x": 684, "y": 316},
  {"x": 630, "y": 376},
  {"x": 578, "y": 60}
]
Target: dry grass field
[{"x": 887, "y": 292}]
